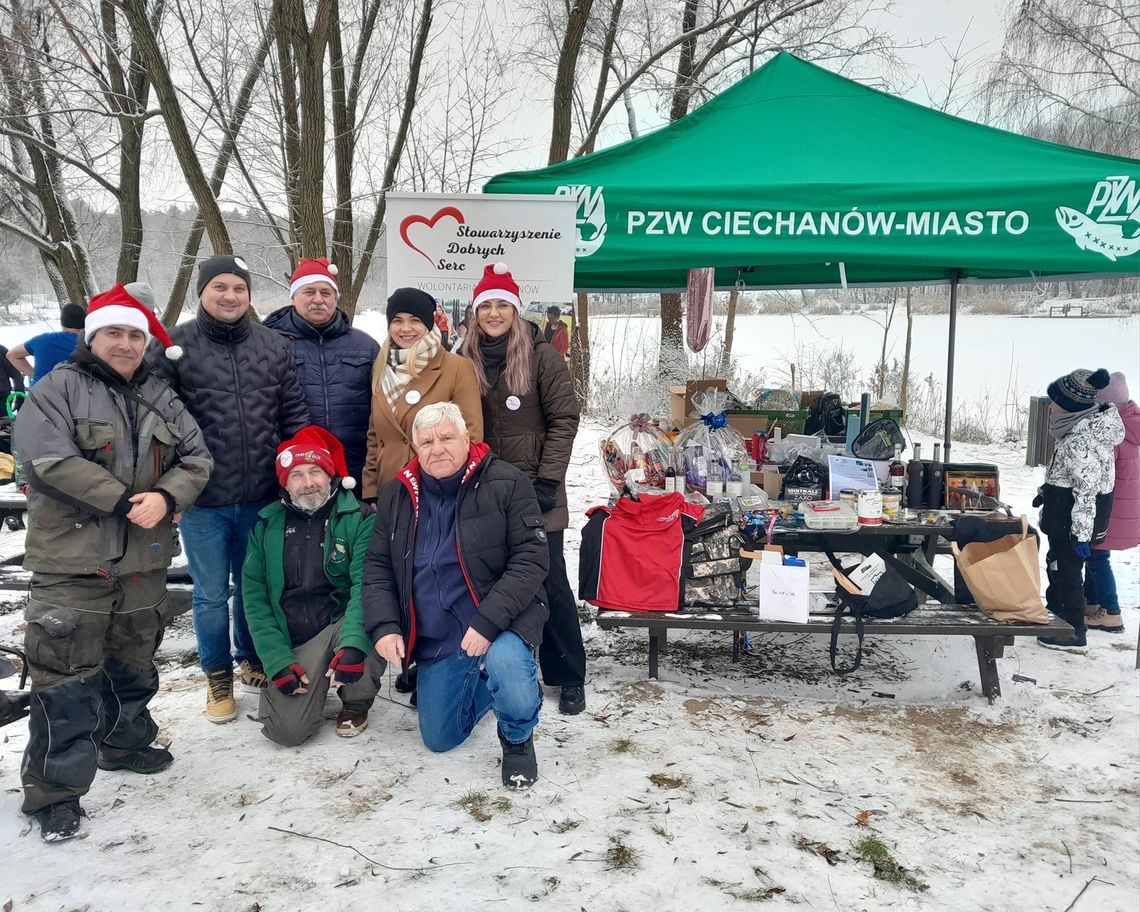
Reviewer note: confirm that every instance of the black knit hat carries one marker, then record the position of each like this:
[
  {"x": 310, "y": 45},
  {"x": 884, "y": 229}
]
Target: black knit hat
[
  {"x": 72, "y": 316},
  {"x": 220, "y": 264},
  {"x": 412, "y": 301},
  {"x": 1077, "y": 391}
]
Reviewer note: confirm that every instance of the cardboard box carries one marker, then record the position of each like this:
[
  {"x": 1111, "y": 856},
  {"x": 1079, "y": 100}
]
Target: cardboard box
[
  {"x": 747, "y": 421},
  {"x": 783, "y": 590},
  {"x": 681, "y": 398}
]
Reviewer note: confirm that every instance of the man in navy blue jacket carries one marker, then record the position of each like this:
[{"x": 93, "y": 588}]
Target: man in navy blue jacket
[
  {"x": 453, "y": 580},
  {"x": 334, "y": 361}
]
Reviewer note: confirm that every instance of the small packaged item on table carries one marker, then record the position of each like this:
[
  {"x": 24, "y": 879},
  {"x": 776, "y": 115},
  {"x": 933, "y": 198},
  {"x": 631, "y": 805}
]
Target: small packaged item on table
[{"x": 836, "y": 515}]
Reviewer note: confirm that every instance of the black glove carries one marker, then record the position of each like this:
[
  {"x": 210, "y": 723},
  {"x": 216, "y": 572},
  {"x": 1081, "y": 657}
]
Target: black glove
[
  {"x": 347, "y": 665},
  {"x": 290, "y": 680},
  {"x": 547, "y": 493}
]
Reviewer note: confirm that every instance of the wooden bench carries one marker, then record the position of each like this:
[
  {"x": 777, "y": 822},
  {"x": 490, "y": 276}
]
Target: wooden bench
[{"x": 932, "y": 619}]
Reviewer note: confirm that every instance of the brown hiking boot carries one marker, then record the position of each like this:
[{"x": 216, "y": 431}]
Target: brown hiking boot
[
  {"x": 220, "y": 703},
  {"x": 1102, "y": 620},
  {"x": 1091, "y": 610},
  {"x": 252, "y": 676},
  {"x": 351, "y": 722}
]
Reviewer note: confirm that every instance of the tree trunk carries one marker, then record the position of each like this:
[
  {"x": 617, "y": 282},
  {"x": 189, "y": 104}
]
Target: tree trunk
[
  {"x": 671, "y": 353},
  {"x": 576, "y": 19},
  {"x": 580, "y": 352},
  {"x": 729, "y": 332},
  {"x": 180, "y": 139},
  {"x": 905, "y": 387},
  {"x": 603, "y": 75},
  {"x": 344, "y": 144},
  {"x": 683, "y": 85},
  {"x": 233, "y": 127},
  {"x": 348, "y": 302}
]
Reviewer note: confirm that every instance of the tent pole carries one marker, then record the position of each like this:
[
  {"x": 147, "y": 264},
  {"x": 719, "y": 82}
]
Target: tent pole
[{"x": 955, "y": 274}]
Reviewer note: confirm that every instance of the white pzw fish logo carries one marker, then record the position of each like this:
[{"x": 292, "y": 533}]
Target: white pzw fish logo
[
  {"x": 590, "y": 219},
  {"x": 1106, "y": 226}
]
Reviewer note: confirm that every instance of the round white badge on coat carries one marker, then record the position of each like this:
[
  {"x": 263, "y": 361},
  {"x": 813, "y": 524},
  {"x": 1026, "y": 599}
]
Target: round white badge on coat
[
  {"x": 514, "y": 403},
  {"x": 412, "y": 396}
]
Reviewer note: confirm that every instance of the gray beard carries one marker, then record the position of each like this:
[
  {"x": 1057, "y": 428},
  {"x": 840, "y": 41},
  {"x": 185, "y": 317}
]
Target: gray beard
[{"x": 310, "y": 503}]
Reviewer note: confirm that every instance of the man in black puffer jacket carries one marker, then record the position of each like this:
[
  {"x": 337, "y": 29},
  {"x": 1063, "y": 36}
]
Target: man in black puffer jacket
[
  {"x": 334, "y": 361},
  {"x": 239, "y": 382},
  {"x": 459, "y": 533}
]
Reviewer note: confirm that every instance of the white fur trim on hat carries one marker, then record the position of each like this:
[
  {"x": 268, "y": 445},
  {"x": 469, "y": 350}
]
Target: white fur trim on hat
[
  {"x": 114, "y": 315},
  {"x": 498, "y": 294},
  {"x": 304, "y": 280}
]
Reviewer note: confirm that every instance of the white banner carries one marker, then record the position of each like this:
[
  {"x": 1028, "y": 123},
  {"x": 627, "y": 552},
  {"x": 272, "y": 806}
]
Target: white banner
[{"x": 441, "y": 243}]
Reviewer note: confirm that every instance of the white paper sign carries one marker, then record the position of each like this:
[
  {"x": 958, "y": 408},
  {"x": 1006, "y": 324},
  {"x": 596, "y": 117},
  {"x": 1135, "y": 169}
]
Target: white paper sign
[
  {"x": 440, "y": 243},
  {"x": 850, "y": 474}
]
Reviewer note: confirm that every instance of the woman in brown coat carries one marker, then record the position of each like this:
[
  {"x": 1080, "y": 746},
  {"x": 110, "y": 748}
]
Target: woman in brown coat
[
  {"x": 413, "y": 370},
  {"x": 530, "y": 418}
]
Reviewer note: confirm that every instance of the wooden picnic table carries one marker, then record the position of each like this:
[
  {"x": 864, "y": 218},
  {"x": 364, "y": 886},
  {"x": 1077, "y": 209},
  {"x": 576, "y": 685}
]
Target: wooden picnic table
[{"x": 932, "y": 619}]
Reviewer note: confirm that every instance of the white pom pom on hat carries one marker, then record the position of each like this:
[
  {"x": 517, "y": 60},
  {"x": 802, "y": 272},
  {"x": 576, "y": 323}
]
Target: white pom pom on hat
[
  {"x": 174, "y": 352},
  {"x": 348, "y": 483},
  {"x": 332, "y": 269},
  {"x": 501, "y": 268}
]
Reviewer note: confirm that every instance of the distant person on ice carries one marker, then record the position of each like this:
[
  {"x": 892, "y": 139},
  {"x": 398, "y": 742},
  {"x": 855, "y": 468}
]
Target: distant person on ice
[
  {"x": 453, "y": 580},
  {"x": 302, "y": 583},
  {"x": 1103, "y": 611},
  {"x": 1076, "y": 498},
  {"x": 239, "y": 381},
  {"x": 50, "y": 348},
  {"x": 111, "y": 454}
]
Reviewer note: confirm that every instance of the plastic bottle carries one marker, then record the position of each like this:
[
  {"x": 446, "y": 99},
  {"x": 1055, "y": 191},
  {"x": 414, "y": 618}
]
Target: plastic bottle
[{"x": 714, "y": 483}]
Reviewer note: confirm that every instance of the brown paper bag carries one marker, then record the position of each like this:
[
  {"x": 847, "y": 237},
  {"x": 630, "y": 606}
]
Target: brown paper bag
[{"x": 1003, "y": 576}]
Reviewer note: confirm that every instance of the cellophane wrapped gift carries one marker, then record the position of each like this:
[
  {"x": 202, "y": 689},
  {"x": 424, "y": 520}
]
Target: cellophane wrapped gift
[
  {"x": 636, "y": 453},
  {"x": 709, "y": 440}
]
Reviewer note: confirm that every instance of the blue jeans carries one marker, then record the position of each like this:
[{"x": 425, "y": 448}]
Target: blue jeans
[
  {"x": 454, "y": 693},
  {"x": 215, "y": 540},
  {"x": 1100, "y": 584}
]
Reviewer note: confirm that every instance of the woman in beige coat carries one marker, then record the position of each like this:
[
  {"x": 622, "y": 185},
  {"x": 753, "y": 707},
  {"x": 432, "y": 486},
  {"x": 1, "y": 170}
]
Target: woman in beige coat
[{"x": 413, "y": 370}]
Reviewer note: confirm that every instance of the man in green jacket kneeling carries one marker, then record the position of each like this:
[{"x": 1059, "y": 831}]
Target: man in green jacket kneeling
[{"x": 301, "y": 584}]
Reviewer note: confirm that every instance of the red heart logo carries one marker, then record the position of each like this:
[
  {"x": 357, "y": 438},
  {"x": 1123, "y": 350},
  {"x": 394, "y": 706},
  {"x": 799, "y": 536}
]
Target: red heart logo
[{"x": 410, "y": 220}]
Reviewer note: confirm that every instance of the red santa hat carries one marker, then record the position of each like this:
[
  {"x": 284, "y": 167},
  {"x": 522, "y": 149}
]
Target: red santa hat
[
  {"x": 318, "y": 447},
  {"x": 309, "y": 271},
  {"x": 118, "y": 307},
  {"x": 497, "y": 285}
]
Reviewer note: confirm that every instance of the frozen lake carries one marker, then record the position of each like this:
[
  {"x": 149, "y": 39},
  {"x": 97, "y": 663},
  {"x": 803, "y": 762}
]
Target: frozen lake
[{"x": 992, "y": 351}]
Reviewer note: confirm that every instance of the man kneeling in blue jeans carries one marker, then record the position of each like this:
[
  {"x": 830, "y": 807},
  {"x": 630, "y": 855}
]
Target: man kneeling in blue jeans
[{"x": 453, "y": 581}]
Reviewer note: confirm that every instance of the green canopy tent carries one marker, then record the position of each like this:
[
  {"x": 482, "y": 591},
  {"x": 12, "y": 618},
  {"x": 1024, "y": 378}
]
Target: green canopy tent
[{"x": 797, "y": 178}]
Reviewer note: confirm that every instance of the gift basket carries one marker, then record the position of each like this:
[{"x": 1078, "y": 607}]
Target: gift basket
[
  {"x": 636, "y": 452},
  {"x": 709, "y": 443}
]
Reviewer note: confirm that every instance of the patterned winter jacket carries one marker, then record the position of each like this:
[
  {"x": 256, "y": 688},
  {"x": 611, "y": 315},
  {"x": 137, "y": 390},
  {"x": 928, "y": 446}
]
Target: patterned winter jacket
[{"x": 1077, "y": 493}]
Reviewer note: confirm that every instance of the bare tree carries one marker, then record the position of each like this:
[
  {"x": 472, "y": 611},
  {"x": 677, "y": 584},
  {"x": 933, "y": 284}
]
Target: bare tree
[{"x": 1069, "y": 71}]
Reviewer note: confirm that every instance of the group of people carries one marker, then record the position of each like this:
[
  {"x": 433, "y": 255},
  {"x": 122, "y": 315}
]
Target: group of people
[
  {"x": 1090, "y": 501},
  {"x": 253, "y": 439}
]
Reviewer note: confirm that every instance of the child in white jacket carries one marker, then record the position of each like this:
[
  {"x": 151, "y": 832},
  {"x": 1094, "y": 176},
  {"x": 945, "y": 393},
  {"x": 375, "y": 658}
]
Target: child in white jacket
[{"x": 1076, "y": 499}]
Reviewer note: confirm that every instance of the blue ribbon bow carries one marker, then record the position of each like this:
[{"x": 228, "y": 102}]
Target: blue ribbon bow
[{"x": 715, "y": 420}]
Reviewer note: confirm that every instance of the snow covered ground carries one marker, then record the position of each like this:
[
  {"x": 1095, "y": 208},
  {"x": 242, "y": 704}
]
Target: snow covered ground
[{"x": 717, "y": 784}]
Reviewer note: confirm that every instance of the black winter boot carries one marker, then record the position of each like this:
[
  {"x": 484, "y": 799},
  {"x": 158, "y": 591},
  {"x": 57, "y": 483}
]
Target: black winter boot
[
  {"x": 144, "y": 760},
  {"x": 520, "y": 765},
  {"x": 572, "y": 700},
  {"x": 60, "y": 821}
]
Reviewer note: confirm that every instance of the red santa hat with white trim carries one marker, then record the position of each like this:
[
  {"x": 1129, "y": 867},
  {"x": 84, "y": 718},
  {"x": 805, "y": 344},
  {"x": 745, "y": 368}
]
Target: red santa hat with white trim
[
  {"x": 316, "y": 446},
  {"x": 118, "y": 307},
  {"x": 497, "y": 284},
  {"x": 309, "y": 271}
]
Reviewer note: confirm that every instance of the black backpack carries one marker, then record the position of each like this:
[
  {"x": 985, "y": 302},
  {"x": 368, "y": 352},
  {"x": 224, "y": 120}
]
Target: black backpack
[
  {"x": 890, "y": 597},
  {"x": 827, "y": 415},
  {"x": 878, "y": 440}
]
